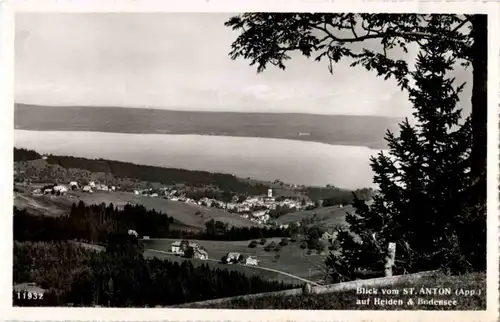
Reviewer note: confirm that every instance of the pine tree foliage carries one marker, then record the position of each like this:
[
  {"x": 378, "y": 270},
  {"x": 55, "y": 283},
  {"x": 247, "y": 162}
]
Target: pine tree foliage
[{"x": 424, "y": 182}]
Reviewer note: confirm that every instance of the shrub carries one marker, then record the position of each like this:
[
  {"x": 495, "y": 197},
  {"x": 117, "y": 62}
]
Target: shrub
[
  {"x": 283, "y": 242},
  {"x": 253, "y": 244},
  {"x": 263, "y": 241},
  {"x": 303, "y": 245}
]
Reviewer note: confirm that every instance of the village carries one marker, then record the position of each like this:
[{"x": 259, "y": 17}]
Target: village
[{"x": 254, "y": 208}]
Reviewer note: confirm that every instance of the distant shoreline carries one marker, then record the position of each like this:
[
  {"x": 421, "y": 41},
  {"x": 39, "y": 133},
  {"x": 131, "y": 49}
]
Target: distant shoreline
[
  {"x": 300, "y": 138},
  {"x": 347, "y": 130}
]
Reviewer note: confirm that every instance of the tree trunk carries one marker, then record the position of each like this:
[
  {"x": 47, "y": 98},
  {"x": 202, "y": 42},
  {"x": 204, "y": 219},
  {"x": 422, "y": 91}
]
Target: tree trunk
[{"x": 479, "y": 103}]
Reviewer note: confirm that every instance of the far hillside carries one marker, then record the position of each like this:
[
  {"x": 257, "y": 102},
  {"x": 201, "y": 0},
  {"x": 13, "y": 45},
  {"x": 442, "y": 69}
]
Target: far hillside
[{"x": 355, "y": 130}]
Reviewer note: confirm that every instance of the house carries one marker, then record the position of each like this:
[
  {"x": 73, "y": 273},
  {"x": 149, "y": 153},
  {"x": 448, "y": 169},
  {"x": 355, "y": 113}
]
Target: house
[
  {"x": 47, "y": 191},
  {"x": 200, "y": 253},
  {"x": 37, "y": 192},
  {"x": 145, "y": 237},
  {"x": 177, "y": 250},
  {"x": 113, "y": 188},
  {"x": 329, "y": 237},
  {"x": 60, "y": 189},
  {"x": 230, "y": 257},
  {"x": 252, "y": 261},
  {"x": 136, "y": 192},
  {"x": 133, "y": 233},
  {"x": 87, "y": 189},
  {"x": 92, "y": 184}
]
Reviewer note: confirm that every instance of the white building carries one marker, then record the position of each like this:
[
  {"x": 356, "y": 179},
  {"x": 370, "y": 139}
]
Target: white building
[
  {"x": 133, "y": 233},
  {"x": 270, "y": 193},
  {"x": 92, "y": 184},
  {"x": 200, "y": 253},
  {"x": 176, "y": 247},
  {"x": 87, "y": 189},
  {"x": 73, "y": 184},
  {"x": 252, "y": 261},
  {"x": 101, "y": 187},
  {"x": 136, "y": 192},
  {"x": 60, "y": 189}
]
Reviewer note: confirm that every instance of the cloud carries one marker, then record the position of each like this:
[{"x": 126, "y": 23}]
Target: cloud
[{"x": 178, "y": 61}]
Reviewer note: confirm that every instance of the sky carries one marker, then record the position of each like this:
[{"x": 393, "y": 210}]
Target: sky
[{"x": 180, "y": 61}]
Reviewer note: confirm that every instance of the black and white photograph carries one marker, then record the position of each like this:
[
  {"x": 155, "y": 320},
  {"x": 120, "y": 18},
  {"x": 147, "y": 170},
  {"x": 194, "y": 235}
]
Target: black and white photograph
[{"x": 251, "y": 160}]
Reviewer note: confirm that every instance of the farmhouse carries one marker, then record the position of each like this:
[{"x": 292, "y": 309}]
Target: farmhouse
[
  {"x": 60, "y": 189},
  {"x": 177, "y": 250},
  {"x": 232, "y": 257},
  {"x": 37, "y": 192},
  {"x": 101, "y": 187},
  {"x": 252, "y": 261},
  {"x": 200, "y": 253},
  {"x": 133, "y": 232}
]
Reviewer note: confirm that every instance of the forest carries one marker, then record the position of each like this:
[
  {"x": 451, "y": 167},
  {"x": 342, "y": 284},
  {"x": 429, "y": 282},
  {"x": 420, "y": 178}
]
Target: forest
[{"x": 74, "y": 276}]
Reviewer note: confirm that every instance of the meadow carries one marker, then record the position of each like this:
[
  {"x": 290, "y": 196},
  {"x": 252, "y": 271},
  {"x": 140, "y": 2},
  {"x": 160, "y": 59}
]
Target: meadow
[
  {"x": 183, "y": 213},
  {"x": 292, "y": 259},
  {"x": 326, "y": 217}
]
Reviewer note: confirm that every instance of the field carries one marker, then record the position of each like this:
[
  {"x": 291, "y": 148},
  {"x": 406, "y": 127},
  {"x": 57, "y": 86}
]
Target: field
[
  {"x": 292, "y": 259},
  {"x": 158, "y": 248},
  {"x": 326, "y": 217},
  {"x": 181, "y": 212},
  {"x": 43, "y": 205}
]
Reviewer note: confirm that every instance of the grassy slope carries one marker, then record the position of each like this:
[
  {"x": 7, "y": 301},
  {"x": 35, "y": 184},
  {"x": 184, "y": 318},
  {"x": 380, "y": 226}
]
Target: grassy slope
[
  {"x": 247, "y": 270},
  {"x": 347, "y": 300},
  {"x": 43, "y": 205},
  {"x": 180, "y": 211},
  {"x": 292, "y": 259},
  {"x": 327, "y": 217}
]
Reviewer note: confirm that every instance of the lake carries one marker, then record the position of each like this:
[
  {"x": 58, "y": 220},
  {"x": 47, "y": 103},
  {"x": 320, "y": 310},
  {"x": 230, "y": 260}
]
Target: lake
[{"x": 291, "y": 161}]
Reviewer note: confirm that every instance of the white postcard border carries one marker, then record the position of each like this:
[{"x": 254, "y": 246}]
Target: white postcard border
[{"x": 7, "y": 11}]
